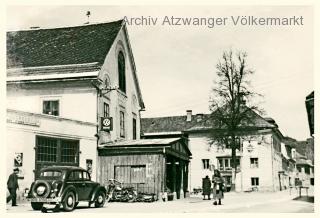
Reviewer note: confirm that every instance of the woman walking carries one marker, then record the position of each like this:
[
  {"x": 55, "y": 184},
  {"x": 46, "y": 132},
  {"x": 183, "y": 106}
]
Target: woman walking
[{"x": 218, "y": 187}]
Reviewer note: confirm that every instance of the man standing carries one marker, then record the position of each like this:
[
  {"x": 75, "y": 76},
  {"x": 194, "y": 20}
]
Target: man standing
[
  {"x": 13, "y": 185},
  {"x": 206, "y": 187}
]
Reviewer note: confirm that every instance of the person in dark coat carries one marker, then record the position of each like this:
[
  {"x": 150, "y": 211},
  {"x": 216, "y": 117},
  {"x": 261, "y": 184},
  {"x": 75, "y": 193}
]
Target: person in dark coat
[
  {"x": 12, "y": 186},
  {"x": 206, "y": 187},
  {"x": 218, "y": 187}
]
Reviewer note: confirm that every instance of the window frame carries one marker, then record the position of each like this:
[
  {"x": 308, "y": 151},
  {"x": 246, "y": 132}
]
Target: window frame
[
  {"x": 134, "y": 128},
  {"x": 254, "y": 162},
  {"x": 106, "y": 109},
  {"x": 121, "y": 71},
  {"x": 205, "y": 164},
  {"x": 255, "y": 181},
  {"x": 122, "y": 124},
  {"x": 51, "y": 111}
]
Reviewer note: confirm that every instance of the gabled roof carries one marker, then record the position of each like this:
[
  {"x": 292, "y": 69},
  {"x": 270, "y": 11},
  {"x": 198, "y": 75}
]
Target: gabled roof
[
  {"x": 78, "y": 50},
  {"x": 199, "y": 122},
  {"x": 61, "y": 46},
  {"x": 168, "y": 124}
]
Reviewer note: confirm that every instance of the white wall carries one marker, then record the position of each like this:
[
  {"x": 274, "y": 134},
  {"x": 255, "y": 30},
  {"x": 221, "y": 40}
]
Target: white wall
[
  {"x": 21, "y": 139},
  {"x": 270, "y": 162},
  {"x": 127, "y": 102},
  {"x": 77, "y": 100},
  {"x": 199, "y": 148}
]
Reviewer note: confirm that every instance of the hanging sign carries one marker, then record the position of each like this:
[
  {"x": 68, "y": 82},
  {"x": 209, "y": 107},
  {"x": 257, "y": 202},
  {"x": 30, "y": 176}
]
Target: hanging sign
[{"x": 106, "y": 124}]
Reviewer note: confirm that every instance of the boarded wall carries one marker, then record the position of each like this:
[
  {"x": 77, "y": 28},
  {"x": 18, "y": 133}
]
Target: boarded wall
[{"x": 144, "y": 172}]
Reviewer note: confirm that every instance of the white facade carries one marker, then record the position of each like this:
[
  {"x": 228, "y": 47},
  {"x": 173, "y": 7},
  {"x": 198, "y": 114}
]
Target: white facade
[
  {"x": 265, "y": 149},
  {"x": 81, "y": 97}
]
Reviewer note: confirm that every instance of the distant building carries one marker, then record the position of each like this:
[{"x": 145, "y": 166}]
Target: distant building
[
  {"x": 259, "y": 158},
  {"x": 305, "y": 171}
]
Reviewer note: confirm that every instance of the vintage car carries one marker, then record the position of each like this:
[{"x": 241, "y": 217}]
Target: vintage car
[{"x": 65, "y": 186}]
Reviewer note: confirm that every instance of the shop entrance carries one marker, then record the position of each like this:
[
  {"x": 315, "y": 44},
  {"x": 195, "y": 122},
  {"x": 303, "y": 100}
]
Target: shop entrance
[{"x": 51, "y": 151}]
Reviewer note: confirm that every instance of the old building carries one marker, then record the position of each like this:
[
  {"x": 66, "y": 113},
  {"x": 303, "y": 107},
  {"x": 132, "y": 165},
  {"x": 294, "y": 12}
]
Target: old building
[
  {"x": 149, "y": 165},
  {"x": 69, "y": 90},
  {"x": 288, "y": 175},
  {"x": 259, "y": 156},
  {"x": 305, "y": 171}
]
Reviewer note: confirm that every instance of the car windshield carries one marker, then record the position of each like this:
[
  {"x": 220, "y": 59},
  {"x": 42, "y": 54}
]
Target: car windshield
[{"x": 51, "y": 173}]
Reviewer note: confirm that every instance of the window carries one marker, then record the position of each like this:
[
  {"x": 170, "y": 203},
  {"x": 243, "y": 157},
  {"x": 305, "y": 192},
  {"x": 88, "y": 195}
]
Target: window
[
  {"x": 51, "y": 107},
  {"x": 55, "y": 151},
  {"x": 69, "y": 151},
  {"x": 52, "y": 150},
  {"x": 221, "y": 166},
  {"x": 122, "y": 130},
  {"x": 299, "y": 169},
  {"x": 307, "y": 170},
  {"x": 75, "y": 175},
  {"x": 47, "y": 149},
  {"x": 85, "y": 176},
  {"x": 254, "y": 163},
  {"x": 205, "y": 163},
  {"x": 254, "y": 181},
  {"x": 106, "y": 112},
  {"x": 134, "y": 128},
  {"x": 51, "y": 174},
  {"x": 122, "y": 72},
  {"x": 227, "y": 163}
]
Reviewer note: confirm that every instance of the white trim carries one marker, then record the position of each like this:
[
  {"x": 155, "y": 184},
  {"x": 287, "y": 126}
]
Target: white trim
[
  {"x": 52, "y": 76},
  {"x": 52, "y": 67}
]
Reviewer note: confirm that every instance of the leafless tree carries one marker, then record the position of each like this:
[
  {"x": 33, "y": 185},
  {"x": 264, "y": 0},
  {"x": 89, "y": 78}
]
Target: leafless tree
[{"x": 232, "y": 104}]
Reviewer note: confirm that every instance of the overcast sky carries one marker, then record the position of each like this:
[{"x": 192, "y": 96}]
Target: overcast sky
[{"x": 176, "y": 65}]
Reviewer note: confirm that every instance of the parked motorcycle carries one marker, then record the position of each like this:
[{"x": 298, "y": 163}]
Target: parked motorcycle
[{"x": 115, "y": 192}]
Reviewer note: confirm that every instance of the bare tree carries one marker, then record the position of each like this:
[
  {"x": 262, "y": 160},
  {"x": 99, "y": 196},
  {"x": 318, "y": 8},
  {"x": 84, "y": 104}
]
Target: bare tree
[{"x": 231, "y": 104}]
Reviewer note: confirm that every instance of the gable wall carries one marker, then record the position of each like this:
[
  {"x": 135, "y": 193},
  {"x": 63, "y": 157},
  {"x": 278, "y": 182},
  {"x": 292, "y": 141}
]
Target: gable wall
[{"x": 117, "y": 100}]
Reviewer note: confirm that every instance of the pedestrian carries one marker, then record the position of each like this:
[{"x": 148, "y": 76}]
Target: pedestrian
[
  {"x": 206, "y": 187},
  {"x": 218, "y": 187},
  {"x": 12, "y": 186}
]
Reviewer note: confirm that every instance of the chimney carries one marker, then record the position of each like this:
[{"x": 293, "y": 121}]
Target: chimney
[
  {"x": 189, "y": 115},
  {"x": 293, "y": 153}
]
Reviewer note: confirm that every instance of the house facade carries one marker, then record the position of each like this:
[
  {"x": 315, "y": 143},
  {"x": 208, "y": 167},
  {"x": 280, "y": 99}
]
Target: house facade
[
  {"x": 259, "y": 158},
  {"x": 69, "y": 90}
]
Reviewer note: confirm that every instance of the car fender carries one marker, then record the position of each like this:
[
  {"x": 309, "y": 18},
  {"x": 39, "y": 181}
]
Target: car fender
[
  {"x": 68, "y": 189},
  {"x": 30, "y": 191},
  {"x": 95, "y": 192}
]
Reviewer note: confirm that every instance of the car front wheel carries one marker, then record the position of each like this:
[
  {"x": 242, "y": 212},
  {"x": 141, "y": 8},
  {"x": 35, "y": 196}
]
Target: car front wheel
[
  {"x": 36, "y": 205},
  {"x": 69, "y": 202},
  {"x": 100, "y": 200}
]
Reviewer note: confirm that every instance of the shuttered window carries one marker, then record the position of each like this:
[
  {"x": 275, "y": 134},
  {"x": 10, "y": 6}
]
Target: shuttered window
[{"x": 130, "y": 174}]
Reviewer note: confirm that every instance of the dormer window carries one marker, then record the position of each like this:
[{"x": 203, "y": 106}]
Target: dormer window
[
  {"x": 51, "y": 107},
  {"x": 122, "y": 72}
]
